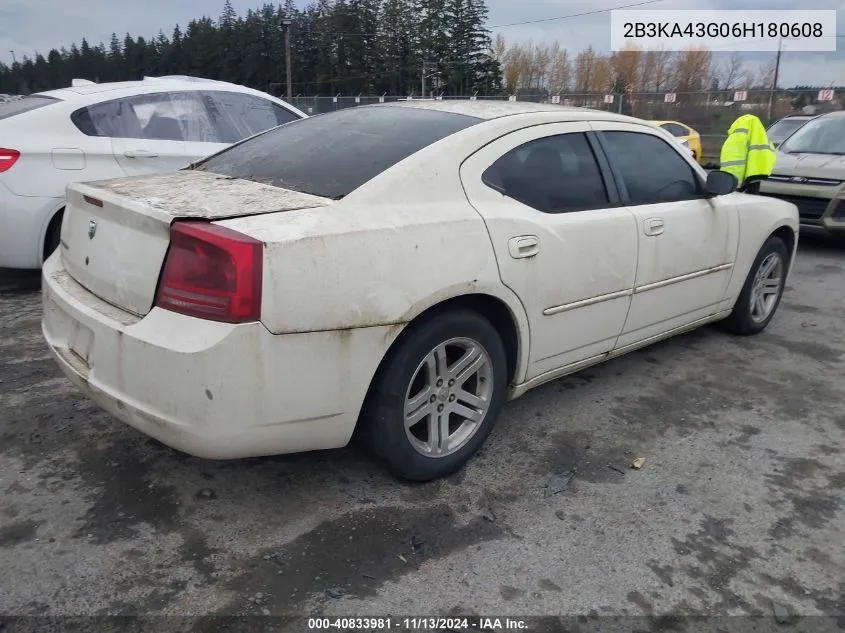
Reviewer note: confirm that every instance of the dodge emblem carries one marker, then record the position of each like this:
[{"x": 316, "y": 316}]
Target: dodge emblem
[{"x": 92, "y": 229}]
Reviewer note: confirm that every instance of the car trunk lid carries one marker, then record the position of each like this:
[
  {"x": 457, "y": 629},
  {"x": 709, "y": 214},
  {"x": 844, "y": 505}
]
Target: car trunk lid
[{"x": 115, "y": 233}]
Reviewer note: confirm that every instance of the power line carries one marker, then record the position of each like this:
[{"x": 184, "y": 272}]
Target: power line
[
  {"x": 502, "y": 26},
  {"x": 575, "y": 15}
]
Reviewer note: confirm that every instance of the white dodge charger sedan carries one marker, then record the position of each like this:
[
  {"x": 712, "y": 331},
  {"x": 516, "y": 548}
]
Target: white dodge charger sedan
[
  {"x": 396, "y": 273},
  {"x": 94, "y": 131}
]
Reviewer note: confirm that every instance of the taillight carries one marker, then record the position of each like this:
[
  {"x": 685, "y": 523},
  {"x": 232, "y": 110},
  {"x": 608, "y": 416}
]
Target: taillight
[
  {"x": 8, "y": 157},
  {"x": 211, "y": 272}
]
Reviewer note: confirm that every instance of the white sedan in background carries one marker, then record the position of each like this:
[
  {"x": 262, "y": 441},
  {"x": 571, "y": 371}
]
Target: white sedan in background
[
  {"x": 398, "y": 271},
  {"x": 97, "y": 131}
]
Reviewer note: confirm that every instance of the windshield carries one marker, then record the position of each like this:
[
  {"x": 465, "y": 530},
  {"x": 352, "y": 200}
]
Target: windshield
[
  {"x": 19, "y": 106},
  {"x": 331, "y": 155},
  {"x": 825, "y": 135},
  {"x": 783, "y": 128}
]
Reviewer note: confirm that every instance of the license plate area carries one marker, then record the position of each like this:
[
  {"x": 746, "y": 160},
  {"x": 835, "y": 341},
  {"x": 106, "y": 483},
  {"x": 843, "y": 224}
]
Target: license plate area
[{"x": 81, "y": 342}]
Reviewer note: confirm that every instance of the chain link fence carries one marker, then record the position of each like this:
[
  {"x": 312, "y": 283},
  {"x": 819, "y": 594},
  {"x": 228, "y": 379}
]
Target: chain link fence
[{"x": 709, "y": 113}]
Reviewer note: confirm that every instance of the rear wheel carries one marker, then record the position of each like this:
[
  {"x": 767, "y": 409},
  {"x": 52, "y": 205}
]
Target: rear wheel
[
  {"x": 53, "y": 237},
  {"x": 762, "y": 291},
  {"x": 436, "y": 399}
]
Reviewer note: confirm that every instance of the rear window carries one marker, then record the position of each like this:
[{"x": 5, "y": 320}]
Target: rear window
[
  {"x": 19, "y": 106},
  {"x": 331, "y": 155}
]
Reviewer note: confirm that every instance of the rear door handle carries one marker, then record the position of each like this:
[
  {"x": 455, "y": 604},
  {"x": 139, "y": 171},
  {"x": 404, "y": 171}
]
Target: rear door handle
[
  {"x": 524, "y": 246},
  {"x": 139, "y": 153},
  {"x": 653, "y": 226}
]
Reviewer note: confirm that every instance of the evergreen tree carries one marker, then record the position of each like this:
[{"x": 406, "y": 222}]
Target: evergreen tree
[
  {"x": 338, "y": 46},
  {"x": 396, "y": 48},
  {"x": 115, "y": 61}
]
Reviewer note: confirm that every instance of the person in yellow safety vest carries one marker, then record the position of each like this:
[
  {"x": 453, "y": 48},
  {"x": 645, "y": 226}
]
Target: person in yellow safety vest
[{"x": 747, "y": 153}]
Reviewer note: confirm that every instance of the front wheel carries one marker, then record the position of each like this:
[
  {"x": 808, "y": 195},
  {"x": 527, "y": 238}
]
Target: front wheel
[
  {"x": 762, "y": 291},
  {"x": 438, "y": 396}
]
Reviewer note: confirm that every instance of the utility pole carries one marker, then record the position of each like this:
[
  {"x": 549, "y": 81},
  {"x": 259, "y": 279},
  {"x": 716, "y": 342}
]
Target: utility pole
[
  {"x": 287, "y": 24},
  {"x": 422, "y": 87},
  {"x": 775, "y": 82}
]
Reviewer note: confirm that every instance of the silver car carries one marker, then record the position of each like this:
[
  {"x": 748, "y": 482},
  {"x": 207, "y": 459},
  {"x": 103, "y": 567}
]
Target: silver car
[{"x": 810, "y": 173}]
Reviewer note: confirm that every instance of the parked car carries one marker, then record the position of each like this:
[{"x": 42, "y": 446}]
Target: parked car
[
  {"x": 780, "y": 130},
  {"x": 687, "y": 136},
  {"x": 286, "y": 292},
  {"x": 809, "y": 172},
  {"x": 96, "y": 131}
]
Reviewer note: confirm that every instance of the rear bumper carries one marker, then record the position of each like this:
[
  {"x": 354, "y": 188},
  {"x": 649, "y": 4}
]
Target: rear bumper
[
  {"x": 212, "y": 390},
  {"x": 23, "y": 222}
]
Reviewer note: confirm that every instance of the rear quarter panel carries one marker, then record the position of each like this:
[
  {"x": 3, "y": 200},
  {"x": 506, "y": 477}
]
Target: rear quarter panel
[
  {"x": 348, "y": 267},
  {"x": 54, "y": 153}
]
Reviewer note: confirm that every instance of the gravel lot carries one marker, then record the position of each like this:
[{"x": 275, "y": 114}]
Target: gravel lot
[{"x": 739, "y": 506}]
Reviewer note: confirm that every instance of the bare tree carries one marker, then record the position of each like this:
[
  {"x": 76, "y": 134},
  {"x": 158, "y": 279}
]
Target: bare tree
[
  {"x": 659, "y": 65},
  {"x": 560, "y": 69},
  {"x": 692, "y": 69},
  {"x": 539, "y": 67},
  {"x": 731, "y": 72},
  {"x": 626, "y": 66},
  {"x": 602, "y": 80},
  {"x": 765, "y": 76},
  {"x": 500, "y": 48},
  {"x": 585, "y": 65},
  {"x": 513, "y": 63}
]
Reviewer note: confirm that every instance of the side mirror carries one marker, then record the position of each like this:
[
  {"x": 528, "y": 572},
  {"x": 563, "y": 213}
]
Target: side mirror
[{"x": 720, "y": 183}]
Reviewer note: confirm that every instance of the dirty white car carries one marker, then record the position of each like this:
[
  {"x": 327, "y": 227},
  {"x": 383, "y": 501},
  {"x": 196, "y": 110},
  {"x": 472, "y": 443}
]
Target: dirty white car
[
  {"x": 397, "y": 270},
  {"x": 91, "y": 131}
]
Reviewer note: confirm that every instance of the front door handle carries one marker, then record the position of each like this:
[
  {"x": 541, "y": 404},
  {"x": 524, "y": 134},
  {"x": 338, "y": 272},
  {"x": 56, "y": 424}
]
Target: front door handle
[
  {"x": 139, "y": 153},
  {"x": 524, "y": 246},
  {"x": 653, "y": 226}
]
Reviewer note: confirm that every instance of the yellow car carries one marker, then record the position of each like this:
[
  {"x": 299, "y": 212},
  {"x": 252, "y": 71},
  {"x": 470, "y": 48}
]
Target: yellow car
[{"x": 685, "y": 134}]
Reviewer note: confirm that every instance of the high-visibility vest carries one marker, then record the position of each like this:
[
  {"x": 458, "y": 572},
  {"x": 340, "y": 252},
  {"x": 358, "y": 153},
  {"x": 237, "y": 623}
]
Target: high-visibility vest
[{"x": 747, "y": 151}]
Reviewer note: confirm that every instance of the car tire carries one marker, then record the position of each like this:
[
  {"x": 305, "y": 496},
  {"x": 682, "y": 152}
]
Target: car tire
[
  {"x": 413, "y": 388},
  {"x": 54, "y": 235},
  {"x": 762, "y": 292}
]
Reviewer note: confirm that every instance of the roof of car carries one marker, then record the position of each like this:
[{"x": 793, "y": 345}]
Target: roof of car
[
  {"x": 488, "y": 109},
  {"x": 78, "y": 91}
]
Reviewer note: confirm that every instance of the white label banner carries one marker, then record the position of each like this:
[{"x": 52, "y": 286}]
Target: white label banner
[{"x": 743, "y": 31}]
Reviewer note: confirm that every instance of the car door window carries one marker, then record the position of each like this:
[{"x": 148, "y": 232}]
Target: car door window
[
  {"x": 675, "y": 130},
  {"x": 193, "y": 118},
  {"x": 163, "y": 116},
  {"x": 237, "y": 116},
  {"x": 556, "y": 174},
  {"x": 650, "y": 168}
]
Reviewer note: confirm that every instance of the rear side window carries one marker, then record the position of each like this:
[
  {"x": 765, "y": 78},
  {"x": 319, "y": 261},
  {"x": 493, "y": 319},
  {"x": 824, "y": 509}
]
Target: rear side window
[
  {"x": 164, "y": 116},
  {"x": 237, "y": 116},
  {"x": 331, "y": 155},
  {"x": 27, "y": 104},
  {"x": 675, "y": 130}
]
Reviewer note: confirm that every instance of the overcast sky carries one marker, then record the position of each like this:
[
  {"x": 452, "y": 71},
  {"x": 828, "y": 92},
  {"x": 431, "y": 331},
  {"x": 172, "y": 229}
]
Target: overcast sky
[{"x": 27, "y": 26}]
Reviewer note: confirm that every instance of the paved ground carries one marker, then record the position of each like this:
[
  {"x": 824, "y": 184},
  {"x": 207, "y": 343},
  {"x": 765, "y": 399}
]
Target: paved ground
[{"x": 740, "y": 503}]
